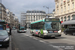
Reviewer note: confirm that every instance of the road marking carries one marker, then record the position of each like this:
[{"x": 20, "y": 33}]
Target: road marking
[
  {"x": 68, "y": 40},
  {"x": 42, "y": 41},
  {"x": 55, "y": 47},
  {"x": 50, "y": 45},
  {"x": 35, "y": 38}
]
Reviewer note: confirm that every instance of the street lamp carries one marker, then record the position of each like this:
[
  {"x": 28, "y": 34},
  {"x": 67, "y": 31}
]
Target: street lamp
[{"x": 47, "y": 8}]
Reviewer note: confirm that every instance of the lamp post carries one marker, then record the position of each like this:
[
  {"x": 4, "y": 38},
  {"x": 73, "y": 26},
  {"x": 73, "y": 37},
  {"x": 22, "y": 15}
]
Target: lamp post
[{"x": 47, "y": 8}]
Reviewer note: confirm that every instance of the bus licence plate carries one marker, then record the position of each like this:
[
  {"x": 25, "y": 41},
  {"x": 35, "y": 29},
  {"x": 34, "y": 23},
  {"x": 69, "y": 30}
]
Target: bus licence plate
[{"x": 50, "y": 31}]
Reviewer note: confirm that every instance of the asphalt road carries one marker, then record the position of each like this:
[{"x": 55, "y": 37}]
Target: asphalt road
[
  {"x": 22, "y": 42},
  {"x": 25, "y": 41}
]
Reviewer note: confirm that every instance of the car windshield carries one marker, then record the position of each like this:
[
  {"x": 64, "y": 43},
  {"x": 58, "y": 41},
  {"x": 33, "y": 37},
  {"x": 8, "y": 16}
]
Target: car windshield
[
  {"x": 52, "y": 25},
  {"x": 2, "y": 33}
]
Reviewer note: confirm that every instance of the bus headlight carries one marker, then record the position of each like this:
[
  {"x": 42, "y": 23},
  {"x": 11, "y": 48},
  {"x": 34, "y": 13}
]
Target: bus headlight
[
  {"x": 45, "y": 31},
  {"x": 59, "y": 31}
]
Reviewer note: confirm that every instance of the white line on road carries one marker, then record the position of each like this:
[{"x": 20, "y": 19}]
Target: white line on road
[
  {"x": 68, "y": 40},
  {"x": 31, "y": 36},
  {"x": 42, "y": 41},
  {"x": 35, "y": 38},
  {"x": 55, "y": 47}
]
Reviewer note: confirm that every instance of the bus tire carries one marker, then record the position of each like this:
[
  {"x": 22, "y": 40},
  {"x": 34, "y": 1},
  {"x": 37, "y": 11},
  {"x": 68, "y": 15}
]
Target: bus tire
[
  {"x": 39, "y": 35},
  {"x": 44, "y": 37}
]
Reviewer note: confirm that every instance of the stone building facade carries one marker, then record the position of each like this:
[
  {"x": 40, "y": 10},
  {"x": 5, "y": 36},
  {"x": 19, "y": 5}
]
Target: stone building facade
[{"x": 65, "y": 9}]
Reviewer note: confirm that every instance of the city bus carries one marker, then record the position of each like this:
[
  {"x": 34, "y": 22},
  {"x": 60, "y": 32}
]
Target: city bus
[
  {"x": 21, "y": 29},
  {"x": 2, "y": 25},
  {"x": 47, "y": 27}
]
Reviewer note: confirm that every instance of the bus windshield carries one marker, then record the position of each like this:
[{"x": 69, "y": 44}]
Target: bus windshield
[
  {"x": 22, "y": 28},
  {"x": 52, "y": 26}
]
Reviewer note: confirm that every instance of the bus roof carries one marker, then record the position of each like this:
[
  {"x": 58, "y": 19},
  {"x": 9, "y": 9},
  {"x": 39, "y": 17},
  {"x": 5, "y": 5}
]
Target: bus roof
[
  {"x": 42, "y": 20},
  {"x": 38, "y": 21}
]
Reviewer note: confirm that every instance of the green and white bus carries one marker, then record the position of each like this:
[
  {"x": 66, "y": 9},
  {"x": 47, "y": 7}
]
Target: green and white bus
[{"x": 47, "y": 27}]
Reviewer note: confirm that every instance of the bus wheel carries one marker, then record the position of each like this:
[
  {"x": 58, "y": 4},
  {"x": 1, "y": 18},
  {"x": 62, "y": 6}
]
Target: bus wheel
[{"x": 39, "y": 35}]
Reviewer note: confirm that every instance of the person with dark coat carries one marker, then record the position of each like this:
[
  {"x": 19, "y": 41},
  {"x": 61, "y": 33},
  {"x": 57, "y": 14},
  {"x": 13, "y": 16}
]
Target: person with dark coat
[{"x": 10, "y": 30}]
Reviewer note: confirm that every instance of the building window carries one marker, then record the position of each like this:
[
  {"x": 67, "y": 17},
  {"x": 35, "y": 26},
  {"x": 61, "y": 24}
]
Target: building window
[
  {"x": 61, "y": 18},
  {"x": 65, "y": 8},
  {"x": 68, "y": 17},
  {"x": 65, "y": 18},
  {"x": 73, "y": 17},
  {"x": 61, "y": 9},
  {"x": 34, "y": 18},
  {"x": 73, "y": 5},
  {"x": 68, "y": 7}
]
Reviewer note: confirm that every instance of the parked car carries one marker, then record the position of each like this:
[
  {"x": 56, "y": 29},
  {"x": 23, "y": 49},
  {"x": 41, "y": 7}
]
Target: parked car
[
  {"x": 70, "y": 30},
  {"x": 4, "y": 38}
]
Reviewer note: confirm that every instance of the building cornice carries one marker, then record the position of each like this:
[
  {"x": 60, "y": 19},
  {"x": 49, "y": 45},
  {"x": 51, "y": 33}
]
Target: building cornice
[{"x": 65, "y": 14}]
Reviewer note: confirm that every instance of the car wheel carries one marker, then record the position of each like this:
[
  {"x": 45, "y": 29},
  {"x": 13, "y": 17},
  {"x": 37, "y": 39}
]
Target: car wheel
[{"x": 65, "y": 33}]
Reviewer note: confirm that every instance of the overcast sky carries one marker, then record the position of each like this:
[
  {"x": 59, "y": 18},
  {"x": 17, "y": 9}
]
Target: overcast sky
[{"x": 18, "y": 6}]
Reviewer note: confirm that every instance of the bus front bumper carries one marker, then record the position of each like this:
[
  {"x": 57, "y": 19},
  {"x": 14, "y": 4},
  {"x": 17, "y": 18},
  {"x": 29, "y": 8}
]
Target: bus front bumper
[{"x": 52, "y": 35}]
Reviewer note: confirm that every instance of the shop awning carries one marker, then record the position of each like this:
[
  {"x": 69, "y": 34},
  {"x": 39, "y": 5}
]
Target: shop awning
[{"x": 68, "y": 22}]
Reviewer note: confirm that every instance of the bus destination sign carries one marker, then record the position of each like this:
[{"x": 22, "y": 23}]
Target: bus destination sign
[{"x": 51, "y": 19}]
